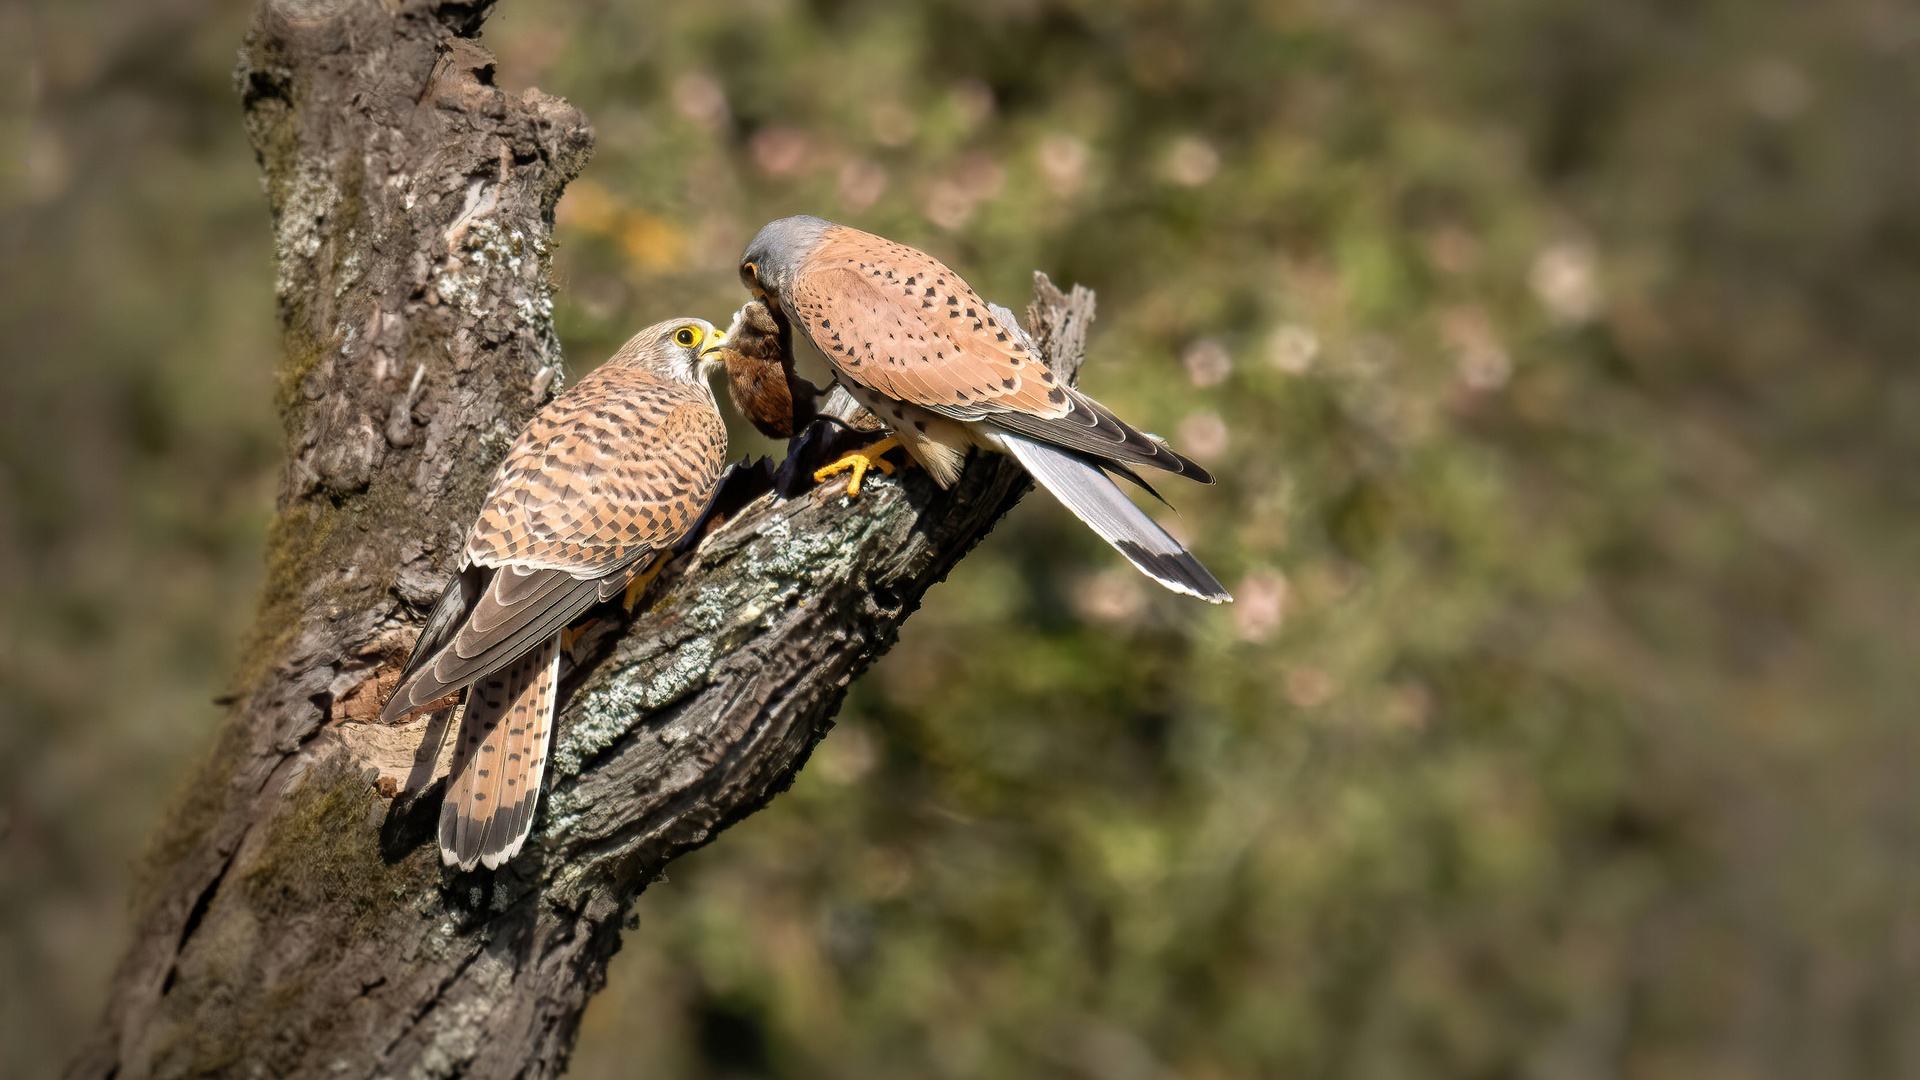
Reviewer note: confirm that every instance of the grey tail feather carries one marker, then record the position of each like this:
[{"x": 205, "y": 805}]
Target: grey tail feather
[
  {"x": 1095, "y": 499},
  {"x": 499, "y": 761}
]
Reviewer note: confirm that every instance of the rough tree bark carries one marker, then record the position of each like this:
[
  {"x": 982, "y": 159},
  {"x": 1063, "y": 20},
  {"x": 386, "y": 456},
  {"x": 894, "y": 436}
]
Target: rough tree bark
[{"x": 296, "y": 919}]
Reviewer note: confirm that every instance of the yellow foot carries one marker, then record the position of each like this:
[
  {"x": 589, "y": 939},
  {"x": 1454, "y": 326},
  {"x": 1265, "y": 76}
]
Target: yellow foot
[
  {"x": 638, "y": 586},
  {"x": 859, "y": 462}
]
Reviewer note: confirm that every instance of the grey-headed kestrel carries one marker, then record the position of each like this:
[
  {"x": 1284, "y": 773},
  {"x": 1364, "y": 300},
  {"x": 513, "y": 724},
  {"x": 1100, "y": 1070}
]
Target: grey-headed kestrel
[
  {"x": 590, "y": 499},
  {"x": 918, "y": 347}
]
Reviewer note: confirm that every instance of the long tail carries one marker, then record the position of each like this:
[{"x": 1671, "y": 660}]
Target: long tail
[
  {"x": 1095, "y": 499},
  {"x": 499, "y": 760}
]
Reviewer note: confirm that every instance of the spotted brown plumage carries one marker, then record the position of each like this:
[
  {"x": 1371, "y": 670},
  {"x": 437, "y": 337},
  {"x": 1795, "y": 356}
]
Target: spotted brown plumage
[
  {"x": 601, "y": 484},
  {"x": 916, "y": 345}
]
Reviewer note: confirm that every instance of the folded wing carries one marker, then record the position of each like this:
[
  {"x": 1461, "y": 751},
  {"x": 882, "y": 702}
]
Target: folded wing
[
  {"x": 597, "y": 486},
  {"x": 899, "y": 323}
]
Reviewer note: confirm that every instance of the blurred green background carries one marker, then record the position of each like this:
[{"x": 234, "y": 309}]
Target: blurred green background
[{"x": 1556, "y": 360}]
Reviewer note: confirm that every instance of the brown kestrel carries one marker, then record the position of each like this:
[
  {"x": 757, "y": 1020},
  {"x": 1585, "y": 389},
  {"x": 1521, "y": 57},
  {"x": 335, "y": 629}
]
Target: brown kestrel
[
  {"x": 598, "y": 488},
  {"x": 917, "y": 346}
]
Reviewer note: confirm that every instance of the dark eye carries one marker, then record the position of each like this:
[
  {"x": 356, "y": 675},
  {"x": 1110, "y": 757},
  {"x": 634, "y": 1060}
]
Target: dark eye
[
  {"x": 685, "y": 336},
  {"x": 750, "y": 272}
]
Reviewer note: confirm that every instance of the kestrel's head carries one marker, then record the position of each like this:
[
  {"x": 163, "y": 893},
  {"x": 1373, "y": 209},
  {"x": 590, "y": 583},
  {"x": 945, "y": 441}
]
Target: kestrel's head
[
  {"x": 777, "y": 252},
  {"x": 678, "y": 350}
]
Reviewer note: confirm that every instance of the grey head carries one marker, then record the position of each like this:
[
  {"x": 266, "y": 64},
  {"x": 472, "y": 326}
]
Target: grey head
[
  {"x": 678, "y": 350},
  {"x": 777, "y": 252}
]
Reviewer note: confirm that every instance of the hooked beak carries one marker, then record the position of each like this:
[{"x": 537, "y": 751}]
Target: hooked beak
[{"x": 709, "y": 352}]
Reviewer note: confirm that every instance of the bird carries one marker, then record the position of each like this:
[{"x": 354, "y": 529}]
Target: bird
[
  {"x": 913, "y": 342},
  {"x": 776, "y": 400},
  {"x": 586, "y": 506}
]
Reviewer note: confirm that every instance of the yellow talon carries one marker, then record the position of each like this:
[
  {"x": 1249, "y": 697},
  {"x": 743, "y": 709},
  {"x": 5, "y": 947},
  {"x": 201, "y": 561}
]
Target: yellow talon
[
  {"x": 638, "y": 586},
  {"x": 859, "y": 461}
]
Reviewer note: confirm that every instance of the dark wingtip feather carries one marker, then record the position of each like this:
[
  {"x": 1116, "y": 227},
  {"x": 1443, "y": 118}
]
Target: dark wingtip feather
[
  {"x": 1189, "y": 468},
  {"x": 1126, "y": 471},
  {"x": 456, "y": 602},
  {"x": 1092, "y": 429}
]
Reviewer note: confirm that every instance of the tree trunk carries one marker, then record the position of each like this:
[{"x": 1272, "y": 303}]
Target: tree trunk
[{"x": 295, "y": 918}]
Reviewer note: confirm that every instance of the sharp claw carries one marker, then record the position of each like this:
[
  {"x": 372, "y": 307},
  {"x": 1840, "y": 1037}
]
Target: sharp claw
[
  {"x": 858, "y": 463},
  {"x": 853, "y": 485}
]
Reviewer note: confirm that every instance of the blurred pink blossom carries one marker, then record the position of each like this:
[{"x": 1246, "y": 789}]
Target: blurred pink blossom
[
  {"x": 1207, "y": 362},
  {"x": 1259, "y": 605},
  {"x": 861, "y": 184},
  {"x": 700, "y": 98},
  {"x": 975, "y": 178},
  {"x": 1566, "y": 280},
  {"x": 1063, "y": 164},
  {"x": 781, "y": 151},
  {"x": 1480, "y": 357},
  {"x": 1192, "y": 161},
  {"x": 1113, "y": 595},
  {"x": 1307, "y": 686},
  {"x": 1203, "y": 437},
  {"x": 1292, "y": 348}
]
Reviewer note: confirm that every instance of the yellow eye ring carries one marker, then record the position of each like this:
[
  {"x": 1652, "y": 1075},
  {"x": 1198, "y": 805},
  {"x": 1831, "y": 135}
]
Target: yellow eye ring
[
  {"x": 751, "y": 271},
  {"x": 686, "y": 336}
]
